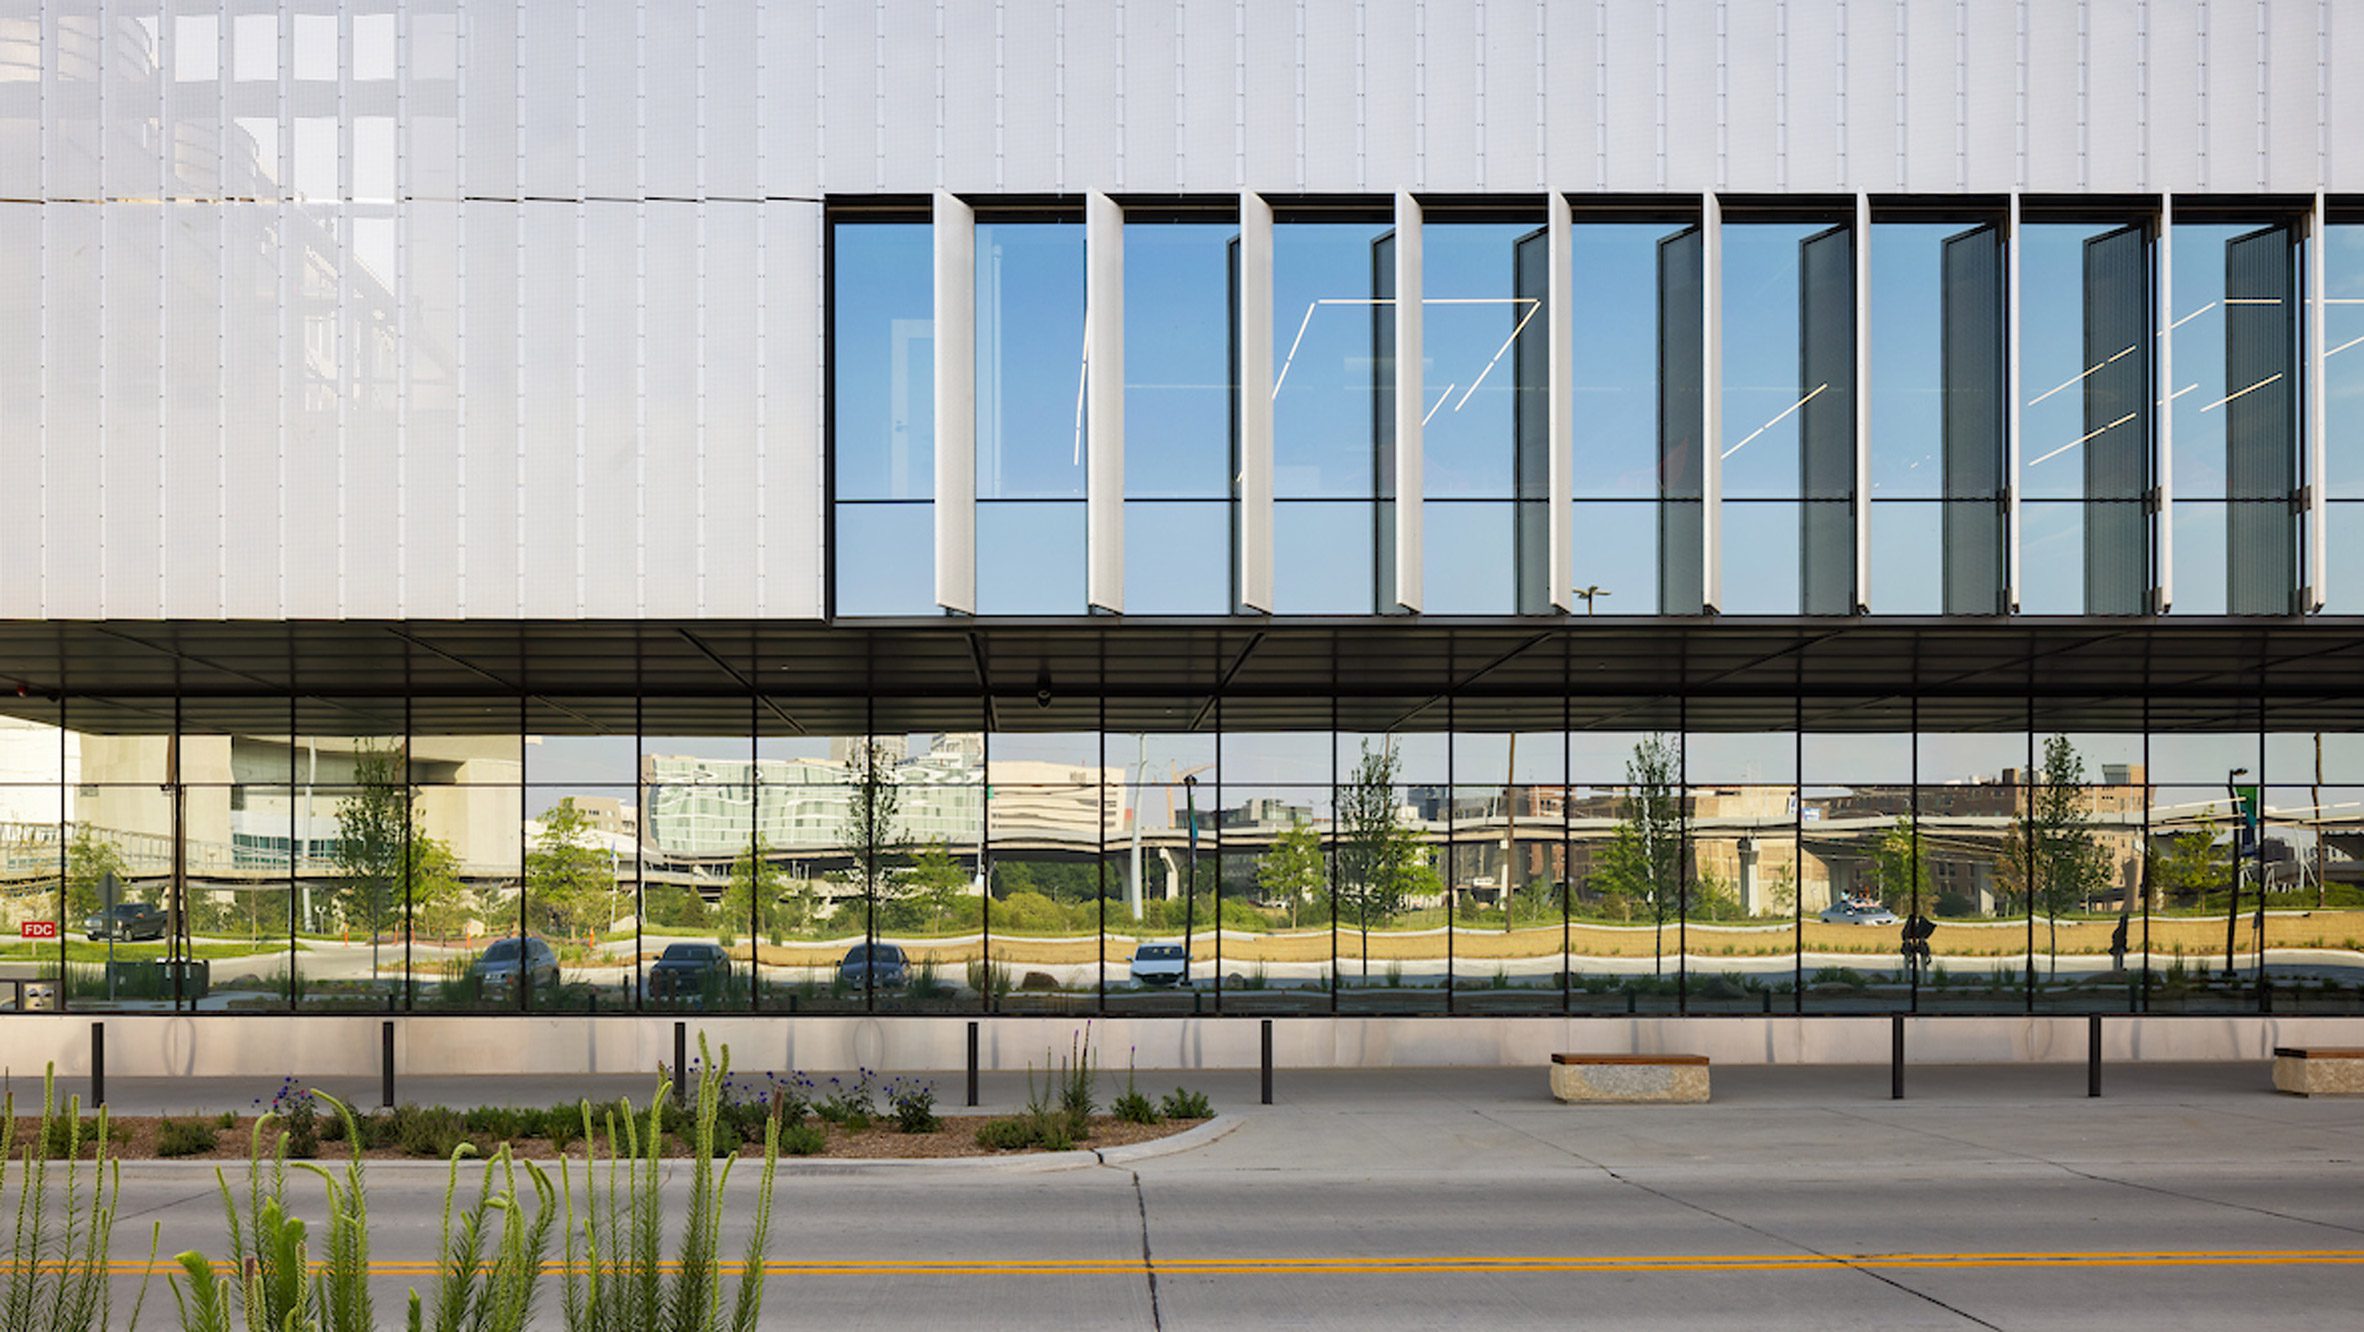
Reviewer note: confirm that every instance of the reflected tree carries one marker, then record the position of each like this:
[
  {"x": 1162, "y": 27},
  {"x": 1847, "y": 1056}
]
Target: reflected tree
[
  {"x": 933, "y": 889},
  {"x": 2058, "y": 842},
  {"x": 385, "y": 861},
  {"x": 757, "y": 885},
  {"x": 90, "y": 858},
  {"x": 568, "y": 877},
  {"x": 869, "y": 837},
  {"x": 1643, "y": 861},
  {"x": 1900, "y": 875},
  {"x": 2192, "y": 863},
  {"x": 1381, "y": 862},
  {"x": 1291, "y": 872}
]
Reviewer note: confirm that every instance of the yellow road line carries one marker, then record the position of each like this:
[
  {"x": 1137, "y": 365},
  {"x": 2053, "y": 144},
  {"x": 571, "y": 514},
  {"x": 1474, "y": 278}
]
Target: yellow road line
[{"x": 1340, "y": 1265}]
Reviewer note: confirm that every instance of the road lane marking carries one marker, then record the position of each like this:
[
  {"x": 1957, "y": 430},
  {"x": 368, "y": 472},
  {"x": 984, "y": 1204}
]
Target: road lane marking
[{"x": 1341, "y": 1265}]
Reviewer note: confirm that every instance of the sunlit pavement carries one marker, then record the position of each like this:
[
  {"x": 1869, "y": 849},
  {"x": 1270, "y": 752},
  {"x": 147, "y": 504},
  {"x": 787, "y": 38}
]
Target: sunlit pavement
[{"x": 2188, "y": 1195}]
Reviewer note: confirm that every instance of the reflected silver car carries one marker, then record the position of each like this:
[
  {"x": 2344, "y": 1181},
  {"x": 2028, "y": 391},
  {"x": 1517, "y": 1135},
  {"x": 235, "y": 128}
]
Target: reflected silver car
[
  {"x": 499, "y": 967},
  {"x": 1856, "y": 911},
  {"x": 1161, "y": 964}
]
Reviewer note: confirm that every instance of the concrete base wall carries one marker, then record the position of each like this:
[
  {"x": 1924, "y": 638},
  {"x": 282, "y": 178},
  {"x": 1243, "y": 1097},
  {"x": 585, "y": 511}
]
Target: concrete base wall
[{"x": 268, "y": 1047}]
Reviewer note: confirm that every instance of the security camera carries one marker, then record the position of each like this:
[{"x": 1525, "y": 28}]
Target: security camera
[{"x": 1042, "y": 689}]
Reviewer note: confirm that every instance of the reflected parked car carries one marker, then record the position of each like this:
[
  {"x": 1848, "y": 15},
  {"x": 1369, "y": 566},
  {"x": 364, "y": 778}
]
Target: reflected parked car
[
  {"x": 1857, "y": 911},
  {"x": 504, "y": 961},
  {"x": 881, "y": 966},
  {"x": 125, "y": 920},
  {"x": 1160, "y": 964},
  {"x": 685, "y": 969}
]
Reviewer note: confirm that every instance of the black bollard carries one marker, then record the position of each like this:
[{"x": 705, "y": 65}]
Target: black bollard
[
  {"x": 2093, "y": 1054},
  {"x": 98, "y": 1064},
  {"x": 972, "y": 1065},
  {"x": 386, "y": 1065},
  {"x": 1896, "y": 1057},
  {"x": 681, "y": 1063},
  {"x": 1268, "y": 1061}
]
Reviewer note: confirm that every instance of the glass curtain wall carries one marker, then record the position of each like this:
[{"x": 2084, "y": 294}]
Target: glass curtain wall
[
  {"x": 2343, "y": 446},
  {"x": 2235, "y": 406},
  {"x": 1333, "y": 431},
  {"x": 1150, "y": 856},
  {"x": 1030, "y": 412},
  {"x": 1485, "y": 434},
  {"x": 1788, "y": 451},
  {"x": 1938, "y": 414},
  {"x": 1181, "y": 410},
  {"x": 1637, "y": 285},
  {"x": 882, "y": 419},
  {"x": 2088, "y": 388}
]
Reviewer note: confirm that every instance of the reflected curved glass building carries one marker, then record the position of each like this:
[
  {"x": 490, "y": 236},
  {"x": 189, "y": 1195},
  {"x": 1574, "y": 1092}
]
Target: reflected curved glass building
[{"x": 1646, "y": 508}]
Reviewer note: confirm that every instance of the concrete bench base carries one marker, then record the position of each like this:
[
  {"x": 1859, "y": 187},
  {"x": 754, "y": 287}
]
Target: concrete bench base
[
  {"x": 2315, "y": 1071},
  {"x": 1629, "y": 1079}
]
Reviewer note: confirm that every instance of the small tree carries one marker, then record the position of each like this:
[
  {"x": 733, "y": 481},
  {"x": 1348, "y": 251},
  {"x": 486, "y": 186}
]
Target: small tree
[
  {"x": 1900, "y": 873},
  {"x": 90, "y": 858},
  {"x": 374, "y": 827},
  {"x": 753, "y": 899},
  {"x": 573, "y": 881},
  {"x": 870, "y": 838},
  {"x": 1293, "y": 871},
  {"x": 438, "y": 899},
  {"x": 936, "y": 885},
  {"x": 1381, "y": 861},
  {"x": 1644, "y": 859},
  {"x": 2192, "y": 863},
  {"x": 2055, "y": 839}
]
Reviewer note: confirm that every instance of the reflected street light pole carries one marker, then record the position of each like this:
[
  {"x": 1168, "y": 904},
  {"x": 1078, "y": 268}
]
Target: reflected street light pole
[
  {"x": 2232, "y": 912},
  {"x": 1589, "y": 592}
]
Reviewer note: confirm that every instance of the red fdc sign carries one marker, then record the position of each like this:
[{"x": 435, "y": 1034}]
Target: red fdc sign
[{"x": 40, "y": 929}]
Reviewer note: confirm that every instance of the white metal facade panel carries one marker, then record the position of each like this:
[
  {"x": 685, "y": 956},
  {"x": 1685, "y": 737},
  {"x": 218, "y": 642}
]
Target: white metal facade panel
[
  {"x": 1991, "y": 90},
  {"x": 1104, "y": 441},
  {"x": 2055, "y": 100},
  {"x": 2163, "y": 431},
  {"x": 972, "y": 139},
  {"x": 728, "y": 117},
  {"x": 905, "y": 67},
  {"x": 955, "y": 237},
  {"x": 847, "y": 117},
  {"x": 1871, "y": 132},
  {"x": 2113, "y": 125},
  {"x": 21, "y": 351},
  {"x": 2318, "y": 419},
  {"x": 431, "y": 353},
  {"x": 1751, "y": 106},
  {"x": 1711, "y": 398},
  {"x": 1152, "y": 127},
  {"x": 1268, "y": 97},
  {"x": 1510, "y": 138},
  {"x": 2172, "y": 97},
  {"x": 492, "y": 390},
  {"x": 732, "y": 407},
  {"x": 1810, "y": 99},
  {"x": 1090, "y": 109},
  {"x": 1932, "y": 143},
  {"x": 1030, "y": 150},
  {"x": 1560, "y": 335},
  {"x": 1255, "y": 402},
  {"x": 1212, "y": 83},
  {"x": 1333, "y": 78},
  {"x": 1411, "y": 398},
  {"x": 788, "y": 564},
  {"x": 72, "y": 538},
  {"x": 670, "y": 97},
  {"x": 1635, "y": 96},
  {"x": 609, "y": 531},
  {"x": 673, "y": 407},
  {"x": 1689, "y": 129},
  {"x": 1571, "y": 95},
  {"x": 1448, "y": 89}
]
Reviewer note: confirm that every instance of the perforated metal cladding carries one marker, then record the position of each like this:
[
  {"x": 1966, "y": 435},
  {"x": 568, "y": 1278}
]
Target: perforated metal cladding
[
  {"x": 2261, "y": 420},
  {"x": 1972, "y": 358}
]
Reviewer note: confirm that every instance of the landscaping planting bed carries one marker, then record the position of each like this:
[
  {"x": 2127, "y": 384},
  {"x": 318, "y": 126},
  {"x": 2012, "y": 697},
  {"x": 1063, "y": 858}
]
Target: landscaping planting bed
[{"x": 139, "y": 1137}]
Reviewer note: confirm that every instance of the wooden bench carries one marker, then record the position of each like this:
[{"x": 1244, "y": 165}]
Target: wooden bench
[
  {"x": 1612, "y": 1079},
  {"x": 2314, "y": 1070}
]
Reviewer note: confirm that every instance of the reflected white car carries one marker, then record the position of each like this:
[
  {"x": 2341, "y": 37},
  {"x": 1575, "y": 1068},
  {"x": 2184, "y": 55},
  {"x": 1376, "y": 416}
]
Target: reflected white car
[
  {"x": 1856, "y": 912},
  {"x": 1160, "y": 964}
]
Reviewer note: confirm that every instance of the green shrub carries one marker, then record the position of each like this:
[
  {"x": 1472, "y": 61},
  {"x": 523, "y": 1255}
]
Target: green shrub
[
  {"x": 802, "y": 1139},
  {"x": 1184, "y": 1104},
  {"x": 494, "y": 1123},
  {"x": 431, "y": 1131},
  {"x": 302, "y": 1122},
  {"x": 913, "y": 1105},
  {"x": 185, "y": 1137},
  {"x": 1006, "y": 1135},
  {"x": 68, "y": 1135},
  {"x": 1134, "y": 1108},
  {"x": 563, "y": 1125},
  {"x": 850, "y": 1106}
]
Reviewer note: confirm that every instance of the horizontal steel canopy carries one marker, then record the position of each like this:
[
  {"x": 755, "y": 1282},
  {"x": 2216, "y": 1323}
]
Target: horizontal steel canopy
[{"x": 1431, "y": 673}]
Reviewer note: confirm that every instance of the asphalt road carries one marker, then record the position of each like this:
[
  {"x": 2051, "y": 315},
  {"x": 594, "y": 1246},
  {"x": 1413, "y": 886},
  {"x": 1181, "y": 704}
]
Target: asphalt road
[{"x": 2190, "y": 1196}]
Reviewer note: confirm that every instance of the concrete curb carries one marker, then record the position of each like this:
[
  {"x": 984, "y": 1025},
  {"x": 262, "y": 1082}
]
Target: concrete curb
[{"x": 1020, "y": 1163}]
